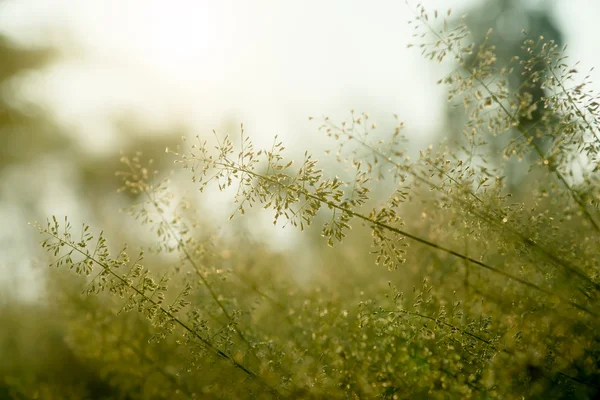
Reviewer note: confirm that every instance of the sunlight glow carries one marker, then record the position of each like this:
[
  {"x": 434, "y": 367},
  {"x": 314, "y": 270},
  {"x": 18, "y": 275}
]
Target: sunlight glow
[{"x": 174, "y": 40}]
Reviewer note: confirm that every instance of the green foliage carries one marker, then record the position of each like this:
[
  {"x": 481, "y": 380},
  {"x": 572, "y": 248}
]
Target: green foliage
[{"x": 496, "y": 297}]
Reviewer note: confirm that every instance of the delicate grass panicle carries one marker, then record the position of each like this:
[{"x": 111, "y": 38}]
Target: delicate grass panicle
[{"x": 485, "y": 293}]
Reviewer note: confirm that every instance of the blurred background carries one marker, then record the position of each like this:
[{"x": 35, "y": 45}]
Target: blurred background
[{"x": 81, "y": 82}]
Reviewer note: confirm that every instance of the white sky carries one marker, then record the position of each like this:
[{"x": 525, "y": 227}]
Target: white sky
[{"x": 267, "y": 63}]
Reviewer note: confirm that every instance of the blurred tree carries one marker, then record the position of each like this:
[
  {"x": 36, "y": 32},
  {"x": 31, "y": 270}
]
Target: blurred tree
[
  {"x": 512, "y": 22},
  {"x": 31, "y": 141},
  {"x": 25, "y": 131}
]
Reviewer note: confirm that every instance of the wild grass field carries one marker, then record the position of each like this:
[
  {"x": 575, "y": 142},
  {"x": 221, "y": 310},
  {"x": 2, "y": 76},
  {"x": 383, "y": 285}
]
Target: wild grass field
[{"x": 467, "y": 270}]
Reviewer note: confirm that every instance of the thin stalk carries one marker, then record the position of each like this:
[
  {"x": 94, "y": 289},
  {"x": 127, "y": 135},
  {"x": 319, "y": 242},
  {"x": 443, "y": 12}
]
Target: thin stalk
[
  {"x": 183, "y": 248},
  {"x": 207, "y": 344},
  {"x": 333, "y": 205},
  {"x": 572, "y": 101},
  {"x": 492, "y": 221},
  {"x": 520, "y": 127}
]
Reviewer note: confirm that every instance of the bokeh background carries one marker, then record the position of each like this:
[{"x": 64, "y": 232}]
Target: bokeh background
[{"x": 82, "y": 81}]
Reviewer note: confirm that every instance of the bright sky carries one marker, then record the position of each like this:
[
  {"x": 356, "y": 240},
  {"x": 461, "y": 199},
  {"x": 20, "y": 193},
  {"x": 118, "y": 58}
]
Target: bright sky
[{"x": 267, "y": 63}]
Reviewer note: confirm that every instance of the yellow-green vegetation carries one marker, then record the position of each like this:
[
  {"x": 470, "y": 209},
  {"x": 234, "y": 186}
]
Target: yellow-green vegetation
[{"x": 441, "y": 282}]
